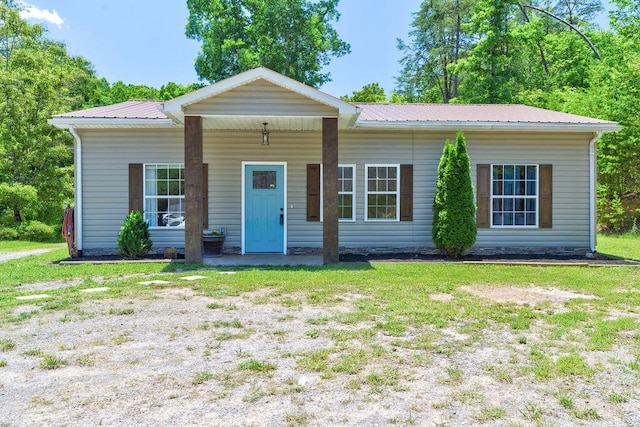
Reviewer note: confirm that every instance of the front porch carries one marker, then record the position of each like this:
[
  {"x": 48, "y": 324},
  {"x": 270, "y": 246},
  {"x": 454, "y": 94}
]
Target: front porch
[
  {"x": 271, "y": 260},
  {"x": 248, "y": 103}
]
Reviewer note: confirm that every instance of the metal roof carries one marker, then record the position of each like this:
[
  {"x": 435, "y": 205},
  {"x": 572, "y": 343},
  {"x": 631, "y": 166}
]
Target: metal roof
[
  {"x": 140, "y": 113},
  {"x": 133, "y": 109},
  {"x": 460, "y": 113}
]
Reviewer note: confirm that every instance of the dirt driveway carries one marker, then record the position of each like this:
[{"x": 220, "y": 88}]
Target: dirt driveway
[{"x": 180, "y": 358}]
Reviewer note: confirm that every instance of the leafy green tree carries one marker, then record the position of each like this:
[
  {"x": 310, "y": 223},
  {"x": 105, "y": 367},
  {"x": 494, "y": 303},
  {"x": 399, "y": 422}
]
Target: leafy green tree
[
  {"x": 372, "y": 92},
  {"x": 105, "y": 93},
  {"x": 292, "y": 37},
  {"x": 37, "y": 79},
  {"x": 456, "y": 224},
  {"x": 438, "y": 41}
]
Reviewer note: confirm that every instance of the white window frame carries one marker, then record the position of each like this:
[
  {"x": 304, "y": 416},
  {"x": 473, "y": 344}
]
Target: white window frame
[
  {"x": 147, "y": 197},
  {"x": 367, "y": 192},
  {"x": 352, "y": 192},
  {"x": 536, "y": 197}
]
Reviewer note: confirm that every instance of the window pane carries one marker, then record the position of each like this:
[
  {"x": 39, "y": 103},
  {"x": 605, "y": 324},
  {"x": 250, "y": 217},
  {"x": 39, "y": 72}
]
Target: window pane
[
  {"x": 519, "y": 219},
  {"x": 348, "y": 172},
  {"x": 163, "y": 188},
  {"x": 520, "y": 172},
  {"x": 382, "y": 172},
  {"x": 508, "y": 188},
  {"x": 264, "y": 180},
  {"x": 508, "y": 172},
  {"x": 345, "y": 205},
  {"x": 371, "y": 173},
  {"x": 174, "y": 188},
  {"x": 393, "y": 185},
  {"x": 497, "y": 188},
  {"x": 393, "y": 172},
  {"x": 497, "y": 218},
  {"x": 531, "y": 172},
  {"x": 497, "y": 172},
  {"x": 174, "y": 173},
  {"x": 162, "y": 173}
]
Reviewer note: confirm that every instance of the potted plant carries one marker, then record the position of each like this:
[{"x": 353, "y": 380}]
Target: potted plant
[{"x": 213, "y": 240}]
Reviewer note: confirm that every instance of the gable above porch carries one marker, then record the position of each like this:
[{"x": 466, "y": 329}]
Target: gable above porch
[{"x": 245, "y": 101}]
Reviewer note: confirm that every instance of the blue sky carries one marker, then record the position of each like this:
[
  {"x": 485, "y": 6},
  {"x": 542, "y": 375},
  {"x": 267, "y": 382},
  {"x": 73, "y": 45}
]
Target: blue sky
[{"x": 143, "y": 41}]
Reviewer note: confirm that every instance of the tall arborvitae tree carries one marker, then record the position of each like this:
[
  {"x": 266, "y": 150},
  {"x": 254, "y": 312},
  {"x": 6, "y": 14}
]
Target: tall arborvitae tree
[
  {"x": 456, "y": 221},
  {"x": 439, "y": 198}
]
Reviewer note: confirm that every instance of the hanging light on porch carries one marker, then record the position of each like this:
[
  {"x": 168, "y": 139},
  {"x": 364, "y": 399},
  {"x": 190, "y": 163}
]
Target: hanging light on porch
[{"x": 265, "y": 134}]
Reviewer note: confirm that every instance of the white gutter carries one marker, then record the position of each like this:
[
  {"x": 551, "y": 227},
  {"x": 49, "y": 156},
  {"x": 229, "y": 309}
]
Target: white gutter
[
  {"x": 77, "y": 221},
  {"x": 593, "y": 181}
]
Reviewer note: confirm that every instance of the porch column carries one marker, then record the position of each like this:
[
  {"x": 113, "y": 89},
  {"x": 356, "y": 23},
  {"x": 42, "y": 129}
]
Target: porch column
[
  {"x": 330, "y": 190},
  {"x": 193, "y": 189}
]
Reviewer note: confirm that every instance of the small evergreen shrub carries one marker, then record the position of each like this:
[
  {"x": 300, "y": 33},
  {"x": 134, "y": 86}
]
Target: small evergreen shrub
[
  {"x": 133, "y": 239},
  {"x": 455, "y": 227},
  {"x": 8, "y": 233},
  {"x": 35, "y": 231}
]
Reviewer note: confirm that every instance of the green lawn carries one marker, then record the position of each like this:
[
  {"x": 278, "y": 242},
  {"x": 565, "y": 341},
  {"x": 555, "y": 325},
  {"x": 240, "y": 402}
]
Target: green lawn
[
  {"x": 20, "y": 245},
  {"x": 623, "y": 246},
  {"x": 427, "y": 311}
]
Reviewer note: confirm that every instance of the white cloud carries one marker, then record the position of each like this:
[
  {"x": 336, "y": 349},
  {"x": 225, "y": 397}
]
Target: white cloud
[{"x": 32, "y": 12}]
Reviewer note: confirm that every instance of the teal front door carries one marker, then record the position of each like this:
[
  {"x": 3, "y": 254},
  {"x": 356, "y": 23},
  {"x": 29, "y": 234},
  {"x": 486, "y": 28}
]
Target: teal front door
[{"x": 264, "y": 208}]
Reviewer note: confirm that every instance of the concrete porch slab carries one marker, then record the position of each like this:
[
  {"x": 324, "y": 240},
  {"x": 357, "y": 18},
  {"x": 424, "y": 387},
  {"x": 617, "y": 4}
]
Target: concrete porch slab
[{"x": 264, "y": 259}]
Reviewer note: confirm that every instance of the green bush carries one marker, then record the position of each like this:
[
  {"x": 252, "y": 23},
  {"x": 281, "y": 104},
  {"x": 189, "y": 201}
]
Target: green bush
[
  {"x": 455, "y": 227},
  {"x": 8, "y": 233},
  {"x": 35, "y": 231},
  {"x": 133, "y": 238}
]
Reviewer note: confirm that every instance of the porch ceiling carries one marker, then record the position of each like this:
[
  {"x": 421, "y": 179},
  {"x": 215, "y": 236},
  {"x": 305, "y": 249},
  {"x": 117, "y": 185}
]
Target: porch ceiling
[{"x": 254, "y": 123}]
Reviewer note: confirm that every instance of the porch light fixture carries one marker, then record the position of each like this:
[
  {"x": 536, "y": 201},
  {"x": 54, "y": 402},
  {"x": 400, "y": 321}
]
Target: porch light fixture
[{"x": 265, "y": 134}]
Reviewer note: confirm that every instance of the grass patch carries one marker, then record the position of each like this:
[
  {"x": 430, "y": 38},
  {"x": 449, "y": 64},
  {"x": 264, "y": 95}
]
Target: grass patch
[
  {"x": 623, "y": 246},
  {"x": 201, "y": 377},
  {"x": 257, "y": 366},
  {"x": 50, "y": 361},
  {"x": 7, "y": 345},
  {"x": 121, "y": 311}
]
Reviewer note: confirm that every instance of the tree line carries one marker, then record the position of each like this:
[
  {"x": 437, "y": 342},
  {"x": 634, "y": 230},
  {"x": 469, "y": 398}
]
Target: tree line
[{"x": 543, "y": 53}]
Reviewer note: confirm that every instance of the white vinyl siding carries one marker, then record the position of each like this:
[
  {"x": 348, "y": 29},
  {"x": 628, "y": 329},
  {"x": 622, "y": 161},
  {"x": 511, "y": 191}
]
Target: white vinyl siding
[{"x": 107, "y": 153}]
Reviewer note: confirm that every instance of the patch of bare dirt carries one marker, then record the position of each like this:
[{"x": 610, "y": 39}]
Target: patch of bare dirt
[{"x": 531, "y": 295}]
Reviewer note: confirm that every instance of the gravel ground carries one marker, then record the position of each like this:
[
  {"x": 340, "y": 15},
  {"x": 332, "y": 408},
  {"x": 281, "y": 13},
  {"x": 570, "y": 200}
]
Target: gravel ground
[{"x": 177, "y": 358}]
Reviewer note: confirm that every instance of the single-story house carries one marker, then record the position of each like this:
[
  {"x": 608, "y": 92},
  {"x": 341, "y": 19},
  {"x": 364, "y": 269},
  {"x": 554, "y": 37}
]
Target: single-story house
[{"x": 285, "y": 168}]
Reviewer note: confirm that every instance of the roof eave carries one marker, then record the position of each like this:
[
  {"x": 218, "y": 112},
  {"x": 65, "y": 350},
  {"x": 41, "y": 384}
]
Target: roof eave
[
  {"x": 489, "y": 126},
  {"x": 85, "y": 122}
]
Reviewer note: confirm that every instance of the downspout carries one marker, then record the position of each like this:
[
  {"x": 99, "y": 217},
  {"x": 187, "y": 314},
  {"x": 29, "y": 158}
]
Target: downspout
[
  {"x": 77, "y": 221},
  {"x": 593, "y": 180}
]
